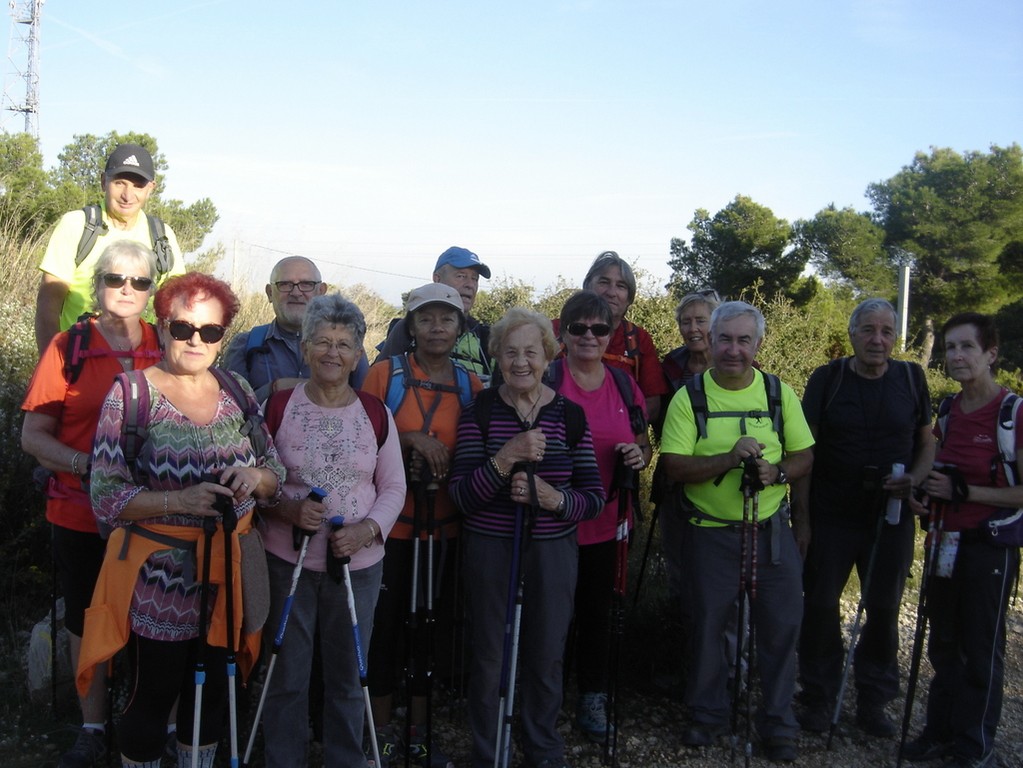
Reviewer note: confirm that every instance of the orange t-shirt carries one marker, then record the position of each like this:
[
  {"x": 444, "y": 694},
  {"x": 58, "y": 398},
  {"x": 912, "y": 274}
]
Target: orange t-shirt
[
  {"x": 76, "y": 408},
  {"x": 410, "y": 418}
]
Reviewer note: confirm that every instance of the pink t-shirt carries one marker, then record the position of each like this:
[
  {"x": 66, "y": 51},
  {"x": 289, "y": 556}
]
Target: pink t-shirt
[
  {"x": 608, "y": 418},
  {"x": 336, "y": 449}
]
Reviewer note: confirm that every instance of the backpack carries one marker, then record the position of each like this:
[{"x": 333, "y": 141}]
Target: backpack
[
  {"x": 698, "y": 400},
  {"x": 95, "y": 228},
  {"x": 1005, "y": 526},
  {"x": 401, "y": 380},
  {"x": 256, "y": 344},
  {"x": 135, "y": 426},
  {"x": 77, "y": 349},
  {"x": 575, "y": 418},
  {"x": 555, "y": 374},
  {"x": 674, "y": 366}
]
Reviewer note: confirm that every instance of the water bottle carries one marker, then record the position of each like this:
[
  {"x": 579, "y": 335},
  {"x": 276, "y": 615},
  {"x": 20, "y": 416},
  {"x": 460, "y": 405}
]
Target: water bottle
[{"x": 893, "y": 513}]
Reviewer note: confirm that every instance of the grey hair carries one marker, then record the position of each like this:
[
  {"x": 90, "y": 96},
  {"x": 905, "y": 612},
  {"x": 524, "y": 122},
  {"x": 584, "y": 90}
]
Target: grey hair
[
  {"x": 868, "y": 307},
  {"x": 277, "y": 267},
  {"x": 704, "y": 297},
  {"x": 611, "y": 259},
  {"x": 129, "y": 250},
  {"x": 333, "y": 309},
  {"x": 518, "y": 317},
  {"x": 733, "y": 309}
]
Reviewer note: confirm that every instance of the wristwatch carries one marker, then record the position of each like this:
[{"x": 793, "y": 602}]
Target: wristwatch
[{"x": 783, "y": 478}]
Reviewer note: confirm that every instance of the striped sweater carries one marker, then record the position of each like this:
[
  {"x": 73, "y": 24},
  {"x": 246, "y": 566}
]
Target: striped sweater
[{"x": 484, "y": 497}]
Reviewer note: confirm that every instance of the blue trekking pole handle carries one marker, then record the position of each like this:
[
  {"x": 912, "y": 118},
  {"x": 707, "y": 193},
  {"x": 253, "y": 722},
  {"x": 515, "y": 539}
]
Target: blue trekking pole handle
[{"x": 335, "y": 564}]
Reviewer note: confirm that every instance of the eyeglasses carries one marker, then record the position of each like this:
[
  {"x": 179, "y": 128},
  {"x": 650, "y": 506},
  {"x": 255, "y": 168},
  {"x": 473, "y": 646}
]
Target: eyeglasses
[
  {"x": 580, "y": 329},
  {"x": 709, "y": 293},
  {"x": 287, "y": 286},
  {"x": 325, "y": 345},
  {"x": 112, "y": 280},
  {"x": 182, "y": 331}
]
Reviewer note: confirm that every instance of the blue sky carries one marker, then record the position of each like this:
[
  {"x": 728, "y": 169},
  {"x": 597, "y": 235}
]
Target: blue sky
[{"x": 372, "y": 135}]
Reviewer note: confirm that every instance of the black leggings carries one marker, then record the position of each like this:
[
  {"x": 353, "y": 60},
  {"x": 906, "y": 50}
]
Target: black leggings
[{"x": 162, "y": 671}]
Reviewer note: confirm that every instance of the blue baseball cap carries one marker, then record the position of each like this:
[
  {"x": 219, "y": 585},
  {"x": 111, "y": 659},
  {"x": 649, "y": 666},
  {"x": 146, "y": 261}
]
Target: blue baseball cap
[{"x": 462, "y": 258}]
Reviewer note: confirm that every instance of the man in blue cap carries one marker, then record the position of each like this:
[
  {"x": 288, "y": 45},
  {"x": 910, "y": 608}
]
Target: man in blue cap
[{"x": 461, "y": 269}]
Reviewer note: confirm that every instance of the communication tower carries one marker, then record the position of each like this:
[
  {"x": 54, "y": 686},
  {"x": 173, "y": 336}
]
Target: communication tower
[{"x": 23, "y": 55}]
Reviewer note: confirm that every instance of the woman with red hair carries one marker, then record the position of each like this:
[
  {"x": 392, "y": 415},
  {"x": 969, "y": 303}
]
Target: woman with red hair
[{"x": 200, "y": 447}]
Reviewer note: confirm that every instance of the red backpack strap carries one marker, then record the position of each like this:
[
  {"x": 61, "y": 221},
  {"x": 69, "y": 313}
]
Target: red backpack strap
[{"x": 377, "y": 412}]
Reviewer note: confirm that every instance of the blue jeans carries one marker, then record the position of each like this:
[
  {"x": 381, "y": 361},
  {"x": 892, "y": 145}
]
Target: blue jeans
[{"x": 318, "y": 600}]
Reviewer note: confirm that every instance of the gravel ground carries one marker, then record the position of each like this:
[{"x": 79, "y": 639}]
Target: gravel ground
[{"x": 651, "y": 720}]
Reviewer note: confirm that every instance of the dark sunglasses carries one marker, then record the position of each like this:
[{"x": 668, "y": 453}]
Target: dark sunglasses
[
  {"x": 182, "y": 331},
  {"x": 111, "y": 280},
  {"x": 580, "y": 329}
]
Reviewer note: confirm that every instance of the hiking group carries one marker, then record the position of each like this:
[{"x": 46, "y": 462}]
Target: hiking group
[{"x": 459, "y": 513}]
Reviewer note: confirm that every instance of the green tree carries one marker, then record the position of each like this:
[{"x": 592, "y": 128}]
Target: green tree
[
  {"x": 742, "y": 243},
  {"x": 847, "y": 248},
  {"x": 959, "y": 218},
  {"x": 502, "y": 294}
]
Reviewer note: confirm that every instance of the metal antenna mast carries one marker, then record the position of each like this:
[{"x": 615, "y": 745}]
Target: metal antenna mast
[{"x": 27, "y": 16}]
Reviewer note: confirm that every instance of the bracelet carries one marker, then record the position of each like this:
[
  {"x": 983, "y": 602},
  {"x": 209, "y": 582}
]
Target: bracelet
[
  {"x": 497, "y": 468},
  {"x": 166, "y": 496},
  {"x": 74, "y": 464},
  {"x": 372, "y": 524}
]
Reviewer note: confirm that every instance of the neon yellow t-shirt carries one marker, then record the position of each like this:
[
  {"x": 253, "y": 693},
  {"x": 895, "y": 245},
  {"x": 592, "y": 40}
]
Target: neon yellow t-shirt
[{"x": 59, "y": 259}]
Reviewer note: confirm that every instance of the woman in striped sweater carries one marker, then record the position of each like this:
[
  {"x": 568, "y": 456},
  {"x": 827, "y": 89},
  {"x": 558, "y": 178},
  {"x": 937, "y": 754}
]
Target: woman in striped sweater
[{"x": 524, "y": 475}]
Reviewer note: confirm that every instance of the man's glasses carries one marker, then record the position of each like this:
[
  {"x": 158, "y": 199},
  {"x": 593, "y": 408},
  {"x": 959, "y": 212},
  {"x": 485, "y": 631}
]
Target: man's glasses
[
  {"x": 111, "y": 280},
  {"x": 287, "y": 286},
  {"x": 182, "y": 331},
  {"x": 580, "y": 329}
]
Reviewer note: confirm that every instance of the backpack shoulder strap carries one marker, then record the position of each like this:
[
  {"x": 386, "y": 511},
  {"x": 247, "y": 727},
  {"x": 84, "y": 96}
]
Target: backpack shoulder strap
[
  {"x": 397, "y": 382},
  {"x": 135, "y": 424},
  {"x": 256, "y": 342},
  {"x": 698, "y": 402},
  {"x": 575, "y": 422},
  {"x": 944, "y": 412},
  {"x": 463, "y": 383},
  {"x": 675, "y": 363},
  {"x": 832, "y": 383},
  {"x": 161, "y": 245},
  {"x": 377, "y": 416},
  {"x": 94, "y": 228},
  {"x": 774, "y": 405},
  {"x": 637, "y": 421},
  {"x": 1008, "y": 412},
  {"x": 78, "y": 337},
  {"x": 251, "y": 427},
  {"x": 483, "y": 408}
]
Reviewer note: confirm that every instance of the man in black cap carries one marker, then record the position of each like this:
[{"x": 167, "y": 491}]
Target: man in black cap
[
  {"x": 81, "y": 236},
  {"x": 461, "y": 269}
]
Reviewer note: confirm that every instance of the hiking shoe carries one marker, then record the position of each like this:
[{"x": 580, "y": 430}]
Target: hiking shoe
[
  {"x": 781, "y": 750},
  {"x": 89, "y": 749},
  {"x": 591, "y": 716},
  {"x": 423, "y": 757},
  {"x": 389, "y": 744},
  {"x": 702, "y": 734},
  {"x": 872, "y": 719},
  {"x": 925, "y": 748}
]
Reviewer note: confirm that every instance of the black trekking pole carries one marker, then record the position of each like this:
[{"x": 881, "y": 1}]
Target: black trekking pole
[
  {"x": 337, "y": 568},
  {"x": 513, "y": 622},
  {"x": 872, "y": 481},
  {"x": 751, "y": 487},
  {"x": 931, "y": 547},
  {"x": 412, "y": 616},
  {"x": 431, "y": 503},
  {"x": 625, "y": 479},
  {"x": 646, "y": 554},
  {"x": 229, "y": 522},
  {"x": 316, "y": 494},
  {"x": 209, "y": 527}
]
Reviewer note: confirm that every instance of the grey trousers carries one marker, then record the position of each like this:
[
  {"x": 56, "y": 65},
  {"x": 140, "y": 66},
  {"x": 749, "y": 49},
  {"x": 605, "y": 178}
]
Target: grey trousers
[{"x": 550, "y": 568}]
